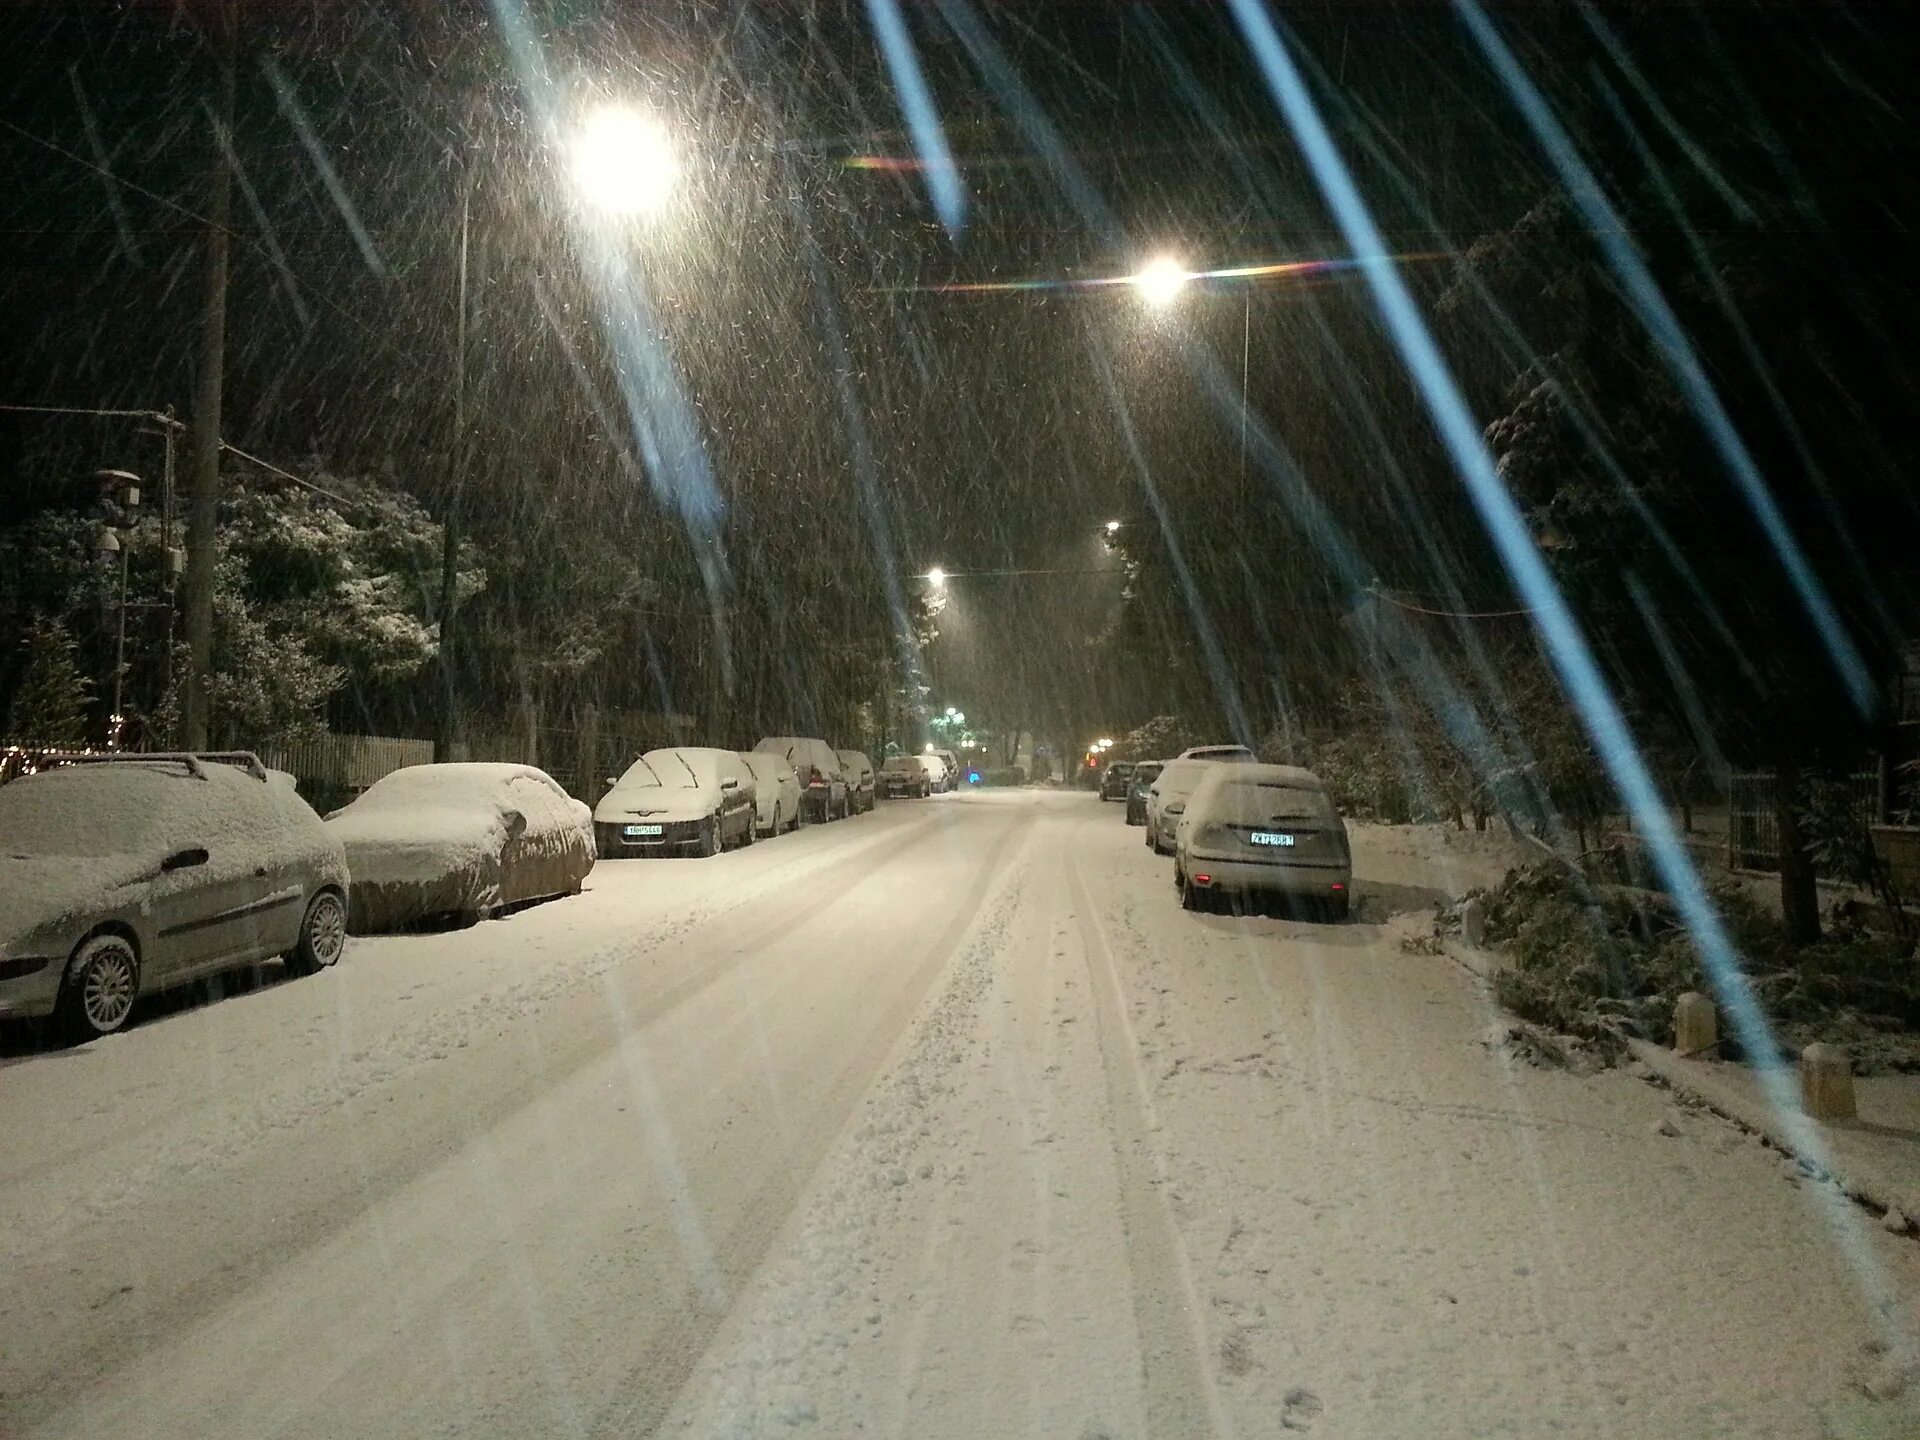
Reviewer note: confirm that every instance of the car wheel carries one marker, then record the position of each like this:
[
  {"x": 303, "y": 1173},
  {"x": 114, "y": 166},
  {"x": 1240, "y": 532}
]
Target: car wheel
[
  {"x": 1339, "y": 907},
  {"x": 1152, "y": 844},
  {"x": 752, "y": 831},
  {"x": 709, "y": 842},
  {"x": 779, "y": 821},
  {"x": 323, "y": 934},
  {"x": 1190, "y": 897},
  {"x": 102, "y": 983}
]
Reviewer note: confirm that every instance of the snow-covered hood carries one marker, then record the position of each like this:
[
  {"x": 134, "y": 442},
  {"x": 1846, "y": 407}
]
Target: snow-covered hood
[
  {"x": 47, "y": 889},
  {"x": 662, "y": 803}
]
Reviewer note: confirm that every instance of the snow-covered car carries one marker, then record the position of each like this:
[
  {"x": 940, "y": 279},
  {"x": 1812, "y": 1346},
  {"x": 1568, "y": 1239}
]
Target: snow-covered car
[
  {"x": 903, "y": 776},
  {"x": 1143, "y": 776},
  {"x": 460, "y": 840},
  {"x": 1113, "y": 784},
  {"x": 1167, "y": 798},
  {"x": 126, "y": 875},
  {"x": 776, "y": 792},
  {"x": 952, "y": 762},
  {"x": 860, "y": 783},
  {"x": 823, "y": 788},
  {"x": 939, "y": 777},
  {"x": 1263, "y": 830},
  {"x": 1233, "y": 754},
  {"x": 685, "y": 797}
]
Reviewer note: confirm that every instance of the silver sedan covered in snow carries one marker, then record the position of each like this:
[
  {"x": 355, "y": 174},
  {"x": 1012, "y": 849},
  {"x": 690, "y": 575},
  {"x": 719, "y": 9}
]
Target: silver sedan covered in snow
[
  {"x": 1263, "y": 830},
  {"x": 131, "y": 874}
]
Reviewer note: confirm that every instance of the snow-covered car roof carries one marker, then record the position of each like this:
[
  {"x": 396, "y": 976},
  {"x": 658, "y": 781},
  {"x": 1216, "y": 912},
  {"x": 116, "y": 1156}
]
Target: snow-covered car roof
[
  {"x": 1261, "y": 789},
  {"x": 765, "y": 766},
  {"x": 454, "y": 785},
  {"x": 676, "y": 767},
  {"x": 903, "y": 762}
]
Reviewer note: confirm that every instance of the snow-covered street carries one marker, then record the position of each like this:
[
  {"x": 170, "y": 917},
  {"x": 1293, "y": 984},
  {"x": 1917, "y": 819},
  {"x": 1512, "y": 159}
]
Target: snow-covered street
[{"x": 945, "y": 1121}]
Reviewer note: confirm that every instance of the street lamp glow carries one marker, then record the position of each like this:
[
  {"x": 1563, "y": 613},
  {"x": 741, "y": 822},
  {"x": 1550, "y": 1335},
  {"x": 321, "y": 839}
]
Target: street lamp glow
[
  {"x": 937, "y": 578},
  {"x": 1113, "y": 527},
  {"x": 1161, "y": 281},
  {"x": 623, "y": 162}
]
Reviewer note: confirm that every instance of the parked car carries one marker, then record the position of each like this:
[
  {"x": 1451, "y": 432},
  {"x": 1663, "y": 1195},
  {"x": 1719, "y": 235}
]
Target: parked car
[
  {"x": 860, "y": 786},
  {"x": 1113, "y": 784},
  {"x": 939, "y": 777},
  {"x": 952, "y": 762},
  {"x": 691, "y": 798},
  {"x": 1167, "y": 798},
  {"x": 1144, "y": 774},
  {"x": 460, "y": 841},
  {"x": 125, "y": 875},
  {"x": 904, "y": 775},
  {"x": 1234, "y": 754},
  {"x": 823, "y": 788},
  {"x": 776, "y": 793},
  {"x": 1263, "y": 830}
]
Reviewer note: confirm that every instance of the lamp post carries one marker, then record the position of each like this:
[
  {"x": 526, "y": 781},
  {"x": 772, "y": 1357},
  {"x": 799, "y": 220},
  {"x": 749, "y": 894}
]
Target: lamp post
[{"x": 124, "y": 488}]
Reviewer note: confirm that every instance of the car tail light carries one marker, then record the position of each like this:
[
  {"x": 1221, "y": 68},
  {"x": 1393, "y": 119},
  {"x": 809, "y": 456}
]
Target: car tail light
[
  {"x": 1205, "y": 880},
  {"x": 1338, "y": 886}
]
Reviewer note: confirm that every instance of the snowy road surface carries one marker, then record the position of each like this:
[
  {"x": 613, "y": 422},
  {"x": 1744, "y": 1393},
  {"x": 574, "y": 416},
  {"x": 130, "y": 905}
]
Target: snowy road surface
[{"x": 942, "y": 1122}]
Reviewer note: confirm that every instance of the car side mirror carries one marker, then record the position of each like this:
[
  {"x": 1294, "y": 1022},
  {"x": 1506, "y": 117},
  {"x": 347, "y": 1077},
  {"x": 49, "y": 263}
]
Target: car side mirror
[
  {"x": 729, "y": 784},
  {"x": 611, "y": 782},
  {"x": 516, "y": 824},
  {"x": 184, "y": 859}
]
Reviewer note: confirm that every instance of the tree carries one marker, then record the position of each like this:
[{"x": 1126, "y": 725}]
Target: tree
[{"x": 49, "y": 706}]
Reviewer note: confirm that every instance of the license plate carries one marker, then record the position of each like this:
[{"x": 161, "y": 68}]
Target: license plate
[
  {"x": 642, "y": 832},
  {"x": 1270, "y": 837}
]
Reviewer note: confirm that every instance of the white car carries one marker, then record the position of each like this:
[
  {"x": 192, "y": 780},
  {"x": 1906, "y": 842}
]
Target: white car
[
  {"x": 776, "y": 792},
  {"x": 129, "y": 874},
  {"x": 823, "y": 786},
  {"x": 461, "y": 841},
  {"x": 1233, "y": 754},
  {"x": 1263, "y": 830},
  {"x": 952, "y": 762},
  {"x": 685, "y": 797},
  {"x": 903, "y": 776},
  {"x": 860, "y": 781},
  {"x": 1167, "y": 797}
]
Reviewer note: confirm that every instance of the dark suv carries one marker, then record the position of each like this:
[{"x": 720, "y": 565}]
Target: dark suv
[
  {"x": 1144, "y": 774},
  {"x": 1113, "y": 784}
]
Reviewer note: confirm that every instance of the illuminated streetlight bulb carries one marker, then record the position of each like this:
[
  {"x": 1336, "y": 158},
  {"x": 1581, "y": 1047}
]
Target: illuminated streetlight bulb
[
  {"x": 1161, "y": 282},
  {"x": 623, "y": 162},
  {"x": 937, "y": 578},
  {"x": 1113, "y": 527}
]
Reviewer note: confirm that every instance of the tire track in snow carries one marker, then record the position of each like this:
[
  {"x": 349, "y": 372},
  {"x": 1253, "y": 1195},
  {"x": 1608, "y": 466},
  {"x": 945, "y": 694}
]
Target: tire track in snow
[{"x": 1181, "y": 1398}]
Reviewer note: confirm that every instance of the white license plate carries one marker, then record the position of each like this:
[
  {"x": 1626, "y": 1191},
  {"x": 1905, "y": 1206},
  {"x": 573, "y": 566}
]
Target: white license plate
[
  {"x": 643, "y": 832},
  {"x": 1270, "y": 837}
]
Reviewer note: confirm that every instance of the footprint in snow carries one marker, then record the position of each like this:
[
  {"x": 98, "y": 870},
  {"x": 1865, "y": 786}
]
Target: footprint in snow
[{"x": 1299, "y": 1410}]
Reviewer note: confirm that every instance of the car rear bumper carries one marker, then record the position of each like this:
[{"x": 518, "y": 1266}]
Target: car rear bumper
[{"x": 1324, "y": 878}]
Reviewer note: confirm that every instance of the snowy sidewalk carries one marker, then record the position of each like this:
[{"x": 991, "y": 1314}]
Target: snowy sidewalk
[{"x": 1875, "y": 1158}]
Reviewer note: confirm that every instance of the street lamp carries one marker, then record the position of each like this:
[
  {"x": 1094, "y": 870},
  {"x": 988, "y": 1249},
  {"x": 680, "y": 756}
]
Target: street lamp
[
  {"x": 623, "y": 161},
  {"x": 1161, "y": 280},
  {"x": 937, "y": 578},
  {"x": 1113, "y": 527}
]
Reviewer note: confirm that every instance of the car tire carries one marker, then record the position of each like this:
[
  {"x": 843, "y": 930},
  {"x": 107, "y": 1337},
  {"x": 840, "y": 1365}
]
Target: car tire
[
  {"x": 1339, "y": 907},
  {"x": 1152, "y": 844},
  {"x": 102, "y": 982},
  {"x": 1190, "y": 897},
  {"x": 752, "y": 831},
  {"x": 323, "y": 934}
]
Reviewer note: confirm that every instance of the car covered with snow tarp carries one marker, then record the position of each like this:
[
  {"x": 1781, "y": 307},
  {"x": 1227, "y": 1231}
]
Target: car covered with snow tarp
[
  {"x": 688, "y": 798},
  {"x": 123, "y": 875},
  {"x": 460, "y": 841}
]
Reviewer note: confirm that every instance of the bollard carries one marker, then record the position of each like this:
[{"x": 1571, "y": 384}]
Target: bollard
[
  {"x": 1826, "y": 1082},
  {"x": 1696, "y": 1024},
  {"x": 1473, "y": 921}
]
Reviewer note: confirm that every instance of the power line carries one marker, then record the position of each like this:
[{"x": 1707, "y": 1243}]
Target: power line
[{"x": 1408, "y": 605}]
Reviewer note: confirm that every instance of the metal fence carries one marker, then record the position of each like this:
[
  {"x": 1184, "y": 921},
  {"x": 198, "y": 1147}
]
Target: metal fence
[{"x": 1753, "y": 832}]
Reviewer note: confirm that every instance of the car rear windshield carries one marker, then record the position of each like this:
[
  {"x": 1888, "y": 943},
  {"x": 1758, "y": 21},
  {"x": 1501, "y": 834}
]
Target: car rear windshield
[
  {"x": 903, "y": 762},
  {"x": 1258, "y": 801}
]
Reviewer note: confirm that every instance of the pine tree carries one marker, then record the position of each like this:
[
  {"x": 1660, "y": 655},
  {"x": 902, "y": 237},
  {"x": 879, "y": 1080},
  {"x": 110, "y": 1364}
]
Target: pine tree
[{"x": 50, "y": 705}]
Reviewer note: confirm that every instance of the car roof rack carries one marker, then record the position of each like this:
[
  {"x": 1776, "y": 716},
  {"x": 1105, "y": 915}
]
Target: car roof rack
[{"x": 193, "y": 759}]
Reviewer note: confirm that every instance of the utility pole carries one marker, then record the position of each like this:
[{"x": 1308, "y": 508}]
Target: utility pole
[
  {"x": 203, "y": 510},
  {"x": 447, "y": 729}
]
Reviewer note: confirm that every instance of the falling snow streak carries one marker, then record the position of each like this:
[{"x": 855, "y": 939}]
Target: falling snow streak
[
  {"x": 1599, "y": 712},
  {"x": 1269, "y": 270},
  {"x": 916, "y": 99}
]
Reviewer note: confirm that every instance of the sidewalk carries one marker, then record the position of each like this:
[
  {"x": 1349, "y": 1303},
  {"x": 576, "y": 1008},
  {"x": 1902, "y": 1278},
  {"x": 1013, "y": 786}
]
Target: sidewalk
[{"x": 1874, "y": 1158}]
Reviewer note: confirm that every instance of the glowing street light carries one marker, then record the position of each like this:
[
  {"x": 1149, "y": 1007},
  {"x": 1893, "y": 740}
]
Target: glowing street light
[
  {"x": 937, "y": 578},
  {"x": 623, "y": 162},
  {"x": 1161, "y": 281},
  {"x": 1113, "y": 527}
]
